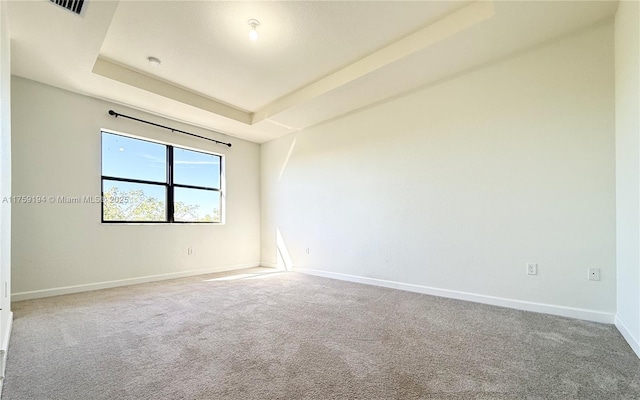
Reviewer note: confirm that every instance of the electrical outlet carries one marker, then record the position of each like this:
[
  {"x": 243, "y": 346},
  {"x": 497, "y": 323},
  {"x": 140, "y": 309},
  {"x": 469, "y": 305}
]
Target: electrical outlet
[
  {"x": 307, "y": 250},
  {"x": 532, "y": 269},
  {"x": 594, "y": 274},
  {"x": 190, "y": 251}
]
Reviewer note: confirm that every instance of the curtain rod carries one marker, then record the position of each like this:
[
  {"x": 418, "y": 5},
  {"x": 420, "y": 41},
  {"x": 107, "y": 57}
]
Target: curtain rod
[{"x": 115, "y": 114}]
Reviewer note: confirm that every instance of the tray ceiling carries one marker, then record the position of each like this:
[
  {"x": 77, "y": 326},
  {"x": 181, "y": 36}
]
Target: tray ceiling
[{"x": 312, "y": 61}]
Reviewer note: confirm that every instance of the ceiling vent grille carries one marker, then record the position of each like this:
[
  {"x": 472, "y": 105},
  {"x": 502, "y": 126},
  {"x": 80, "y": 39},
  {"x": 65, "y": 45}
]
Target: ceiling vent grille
[{"x": 74, "y": 6}]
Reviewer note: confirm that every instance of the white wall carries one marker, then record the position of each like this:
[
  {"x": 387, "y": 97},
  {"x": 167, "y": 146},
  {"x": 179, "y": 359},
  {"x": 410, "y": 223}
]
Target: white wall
[
  {"x": 627, "y": 67},
  {"x": 455, "y": 187},
  {"x": 56, "y": 151},
  {"x": 5, "y": 186}
]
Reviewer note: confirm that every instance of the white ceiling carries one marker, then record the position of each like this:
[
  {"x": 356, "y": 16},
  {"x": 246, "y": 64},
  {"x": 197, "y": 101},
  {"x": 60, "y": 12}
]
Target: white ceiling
[
  {"x": 204, "y": 46},
  {"x": 312, "y": 61}
]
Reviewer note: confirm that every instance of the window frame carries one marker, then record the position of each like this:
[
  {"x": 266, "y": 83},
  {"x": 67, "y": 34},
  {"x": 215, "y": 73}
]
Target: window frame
[{"x": 168, "y": 184}]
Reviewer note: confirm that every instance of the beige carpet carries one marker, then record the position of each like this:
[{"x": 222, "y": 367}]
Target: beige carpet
[{"x": 292, "y": 336}]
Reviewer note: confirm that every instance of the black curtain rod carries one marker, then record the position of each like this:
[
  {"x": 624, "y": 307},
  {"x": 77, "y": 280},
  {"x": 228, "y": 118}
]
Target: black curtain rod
[{"x": 115, "y": 114}]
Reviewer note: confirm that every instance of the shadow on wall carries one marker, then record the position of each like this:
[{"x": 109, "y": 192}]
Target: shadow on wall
[{"x": 286, "y": 160}]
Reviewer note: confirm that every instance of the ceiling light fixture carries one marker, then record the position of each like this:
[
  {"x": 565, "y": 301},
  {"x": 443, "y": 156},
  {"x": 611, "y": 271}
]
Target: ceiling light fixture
[
  {"x": 154, "y": 61},
  {"x": 253, "y": 33}
]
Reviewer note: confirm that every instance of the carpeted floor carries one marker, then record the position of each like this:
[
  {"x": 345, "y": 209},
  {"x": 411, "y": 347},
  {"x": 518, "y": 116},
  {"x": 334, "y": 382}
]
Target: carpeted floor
[{"x": 269, "y": 335}]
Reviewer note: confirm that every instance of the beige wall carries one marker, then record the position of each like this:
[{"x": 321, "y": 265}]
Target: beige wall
[
  {"x": 627, "y": 64},
  {"x": 56, "y": 152},
  {"x": 453, "y": 188}
]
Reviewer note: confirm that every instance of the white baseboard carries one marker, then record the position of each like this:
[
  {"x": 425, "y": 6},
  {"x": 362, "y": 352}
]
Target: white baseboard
[
  {"x": 628, "y": 335},
  {"x": 36, "y": 294},
  {"x": 563, "y": 311},
  {"x": 268, "y": 264}
]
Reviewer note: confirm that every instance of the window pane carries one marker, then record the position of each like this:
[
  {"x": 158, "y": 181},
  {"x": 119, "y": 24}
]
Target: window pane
[
  {"x": 195, "y": 168},
  {"x": 124, "y": 157},
  {"x": 127, "y": 201},
  {"x": 195, "y": 205}
]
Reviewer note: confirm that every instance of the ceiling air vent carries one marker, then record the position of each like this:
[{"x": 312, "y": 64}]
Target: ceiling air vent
[{"x": 71, "y": 5}]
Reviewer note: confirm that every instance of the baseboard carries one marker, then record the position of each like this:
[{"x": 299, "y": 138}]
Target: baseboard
[
  {"x": 633, "y": 341},
  {"x": 268, "y": 264},
  {"x": 36, "y": 294},
  {"x": 570, "y": 312}
]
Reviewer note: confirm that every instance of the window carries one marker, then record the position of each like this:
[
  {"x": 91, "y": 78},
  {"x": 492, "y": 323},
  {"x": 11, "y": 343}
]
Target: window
[{"x": 144, "y": 181}]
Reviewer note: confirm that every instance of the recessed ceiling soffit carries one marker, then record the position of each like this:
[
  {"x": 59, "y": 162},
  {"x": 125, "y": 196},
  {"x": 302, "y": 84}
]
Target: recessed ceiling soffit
[{"x": 445, "y": 27}]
